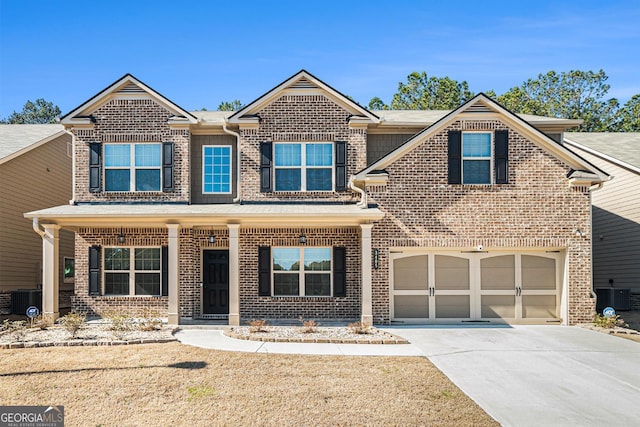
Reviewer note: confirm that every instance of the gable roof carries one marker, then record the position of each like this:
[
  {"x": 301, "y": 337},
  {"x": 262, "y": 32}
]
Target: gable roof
[
  {"x": 622, "y": 148},
  {"x": 303, "y": 82},
  {"x": 127, "y": 87},
  {"x": 18, "y": 139},
  {"x": 481, "y": 107}
]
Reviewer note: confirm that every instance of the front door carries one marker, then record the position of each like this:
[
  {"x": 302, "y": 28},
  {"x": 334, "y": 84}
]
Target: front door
[{"x": 215, "y": 282}]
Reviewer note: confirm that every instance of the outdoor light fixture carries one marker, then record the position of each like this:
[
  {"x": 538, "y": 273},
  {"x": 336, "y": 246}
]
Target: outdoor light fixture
[
  {"x": 376, "y": 258},
  {"x": 303, "y": 239},
  {"x": 121, "y": 236},
  {"x": 212, "y": 238}
]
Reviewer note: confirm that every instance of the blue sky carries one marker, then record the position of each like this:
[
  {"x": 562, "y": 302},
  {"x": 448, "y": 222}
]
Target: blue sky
[{"x": 199, "y": 53}]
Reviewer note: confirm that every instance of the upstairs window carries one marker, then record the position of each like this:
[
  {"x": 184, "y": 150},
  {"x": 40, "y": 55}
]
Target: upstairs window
[
  {"x": 476, "y": 158},
  {"x": 132, "y": 167},
  {"x": 216, "y": 169},
  {"x": 303, "y": 166}
]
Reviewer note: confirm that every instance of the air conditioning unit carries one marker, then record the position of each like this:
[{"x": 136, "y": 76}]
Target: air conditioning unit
[
  {"x": 618, "y": 298},
  {"x": 25, "y": 298}
]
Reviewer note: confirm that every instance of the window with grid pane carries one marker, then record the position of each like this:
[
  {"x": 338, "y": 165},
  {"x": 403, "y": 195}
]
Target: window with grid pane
[
  {"x": 132, "y": 167},
  {"x": 303, "y": 166},
  {"x": 216, "y": 169},
  {"x": 301, "y": 271},
  {"x": 132, "y": 271}
]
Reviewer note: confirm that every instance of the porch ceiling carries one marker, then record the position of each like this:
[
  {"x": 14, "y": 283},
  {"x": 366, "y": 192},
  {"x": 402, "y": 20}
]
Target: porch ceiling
[{"x": 191, "y": 215}]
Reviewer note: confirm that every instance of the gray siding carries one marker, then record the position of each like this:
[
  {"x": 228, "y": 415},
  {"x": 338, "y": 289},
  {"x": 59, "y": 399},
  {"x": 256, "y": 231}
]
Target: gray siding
[
  {"x": 197, "y": 142},
  {"x": 38, "y": 179},
  {"x": 616, "y": 227},
  {"x": 379, "y": 145}
]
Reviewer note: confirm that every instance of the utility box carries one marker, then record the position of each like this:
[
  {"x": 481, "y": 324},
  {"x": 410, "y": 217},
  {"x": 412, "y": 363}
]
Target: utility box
[
  {"x": 618, "y": 298},
  {"x": 25, "y": 298}
]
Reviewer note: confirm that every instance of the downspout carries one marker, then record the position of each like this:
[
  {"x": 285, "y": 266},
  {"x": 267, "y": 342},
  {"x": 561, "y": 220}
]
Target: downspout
[
  {"x": 237, "y": 135},
  {"x": 591, "y": 189},
  {"x": 362, "y": 204},
  {"x": 73, "y": 167},
  {"x": 36, "y": 227}
]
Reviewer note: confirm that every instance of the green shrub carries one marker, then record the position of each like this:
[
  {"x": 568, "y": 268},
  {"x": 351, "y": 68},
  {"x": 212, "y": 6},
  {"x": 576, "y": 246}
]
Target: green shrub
[{"x": 609, "y": 321}]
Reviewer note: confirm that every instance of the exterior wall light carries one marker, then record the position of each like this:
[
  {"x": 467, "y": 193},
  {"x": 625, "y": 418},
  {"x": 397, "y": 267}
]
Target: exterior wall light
[
  {"x": 303, "y": 239},
  {"x": 121, "y": 236}
]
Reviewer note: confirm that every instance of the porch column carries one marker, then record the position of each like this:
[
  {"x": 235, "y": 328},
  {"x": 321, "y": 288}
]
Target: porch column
[
  {"x": 234, "y": 274},
  {"x": 174, "y": 273},
  {"x": 367, "y": 294},
  {"x": 50, "y": 271}
]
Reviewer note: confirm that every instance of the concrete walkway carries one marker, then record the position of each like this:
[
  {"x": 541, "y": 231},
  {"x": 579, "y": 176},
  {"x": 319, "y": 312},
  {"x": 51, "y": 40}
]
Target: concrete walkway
[
  {"x": 538, "y": 375},
  {"x": 215, "y": 340}
]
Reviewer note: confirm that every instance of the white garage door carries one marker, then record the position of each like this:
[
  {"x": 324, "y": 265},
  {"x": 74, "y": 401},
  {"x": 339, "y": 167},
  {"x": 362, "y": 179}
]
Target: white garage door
[{"x": 452, "y": 287}]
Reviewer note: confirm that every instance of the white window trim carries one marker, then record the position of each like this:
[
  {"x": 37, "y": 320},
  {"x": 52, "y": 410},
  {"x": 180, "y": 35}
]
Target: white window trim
[
  {"x": 230, "y": 170},
  {"x": 302, "y": 272},
  {"x": 132, "y": 169},
  {"x": 490, "y": 157},
  {"x": 303, "y": 167},
  {"x": 132, "y": 271}
]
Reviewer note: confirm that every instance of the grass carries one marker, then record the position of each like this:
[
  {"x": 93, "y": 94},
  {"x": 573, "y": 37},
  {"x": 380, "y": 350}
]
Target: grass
[{"x": 173, "y": 384}]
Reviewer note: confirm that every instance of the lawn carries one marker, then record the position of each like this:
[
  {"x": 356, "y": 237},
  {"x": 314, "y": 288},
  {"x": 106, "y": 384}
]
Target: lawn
[{"x": 173, "y": 385}]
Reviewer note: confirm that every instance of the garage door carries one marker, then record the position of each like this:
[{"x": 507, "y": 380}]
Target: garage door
[{"x": 452, "y": 287}]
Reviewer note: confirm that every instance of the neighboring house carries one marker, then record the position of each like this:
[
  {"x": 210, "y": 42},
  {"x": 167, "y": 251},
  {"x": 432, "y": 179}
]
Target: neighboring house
[
  {"x": 305, "y": 204},
  {"x": 616, "y": 208},
  {"x": 35, "y": 172}
]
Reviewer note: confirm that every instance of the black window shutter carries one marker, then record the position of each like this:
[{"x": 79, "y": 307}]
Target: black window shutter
[
  {"x": 264, "y": 271},
  {"x": 167, "y": 166},
  {"x": 455, "y": 157},
  {"x": 341, "y": 166},
  {"x": 95, "y": 166},
  {"x": 501, "y": 156},
  {"x": 339, "y": 271},
  {"x": 165, "y": 271},
  {"x": 94, "y": 270},
  {"x": 266, "y": 166}
]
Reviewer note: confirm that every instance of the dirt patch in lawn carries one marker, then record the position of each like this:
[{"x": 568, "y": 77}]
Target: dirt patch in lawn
[{"x": 172, "y": 384}]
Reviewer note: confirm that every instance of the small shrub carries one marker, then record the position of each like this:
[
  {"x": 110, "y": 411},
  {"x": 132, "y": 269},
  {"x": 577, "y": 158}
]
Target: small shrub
[
  {"x": 119, "y": 323},
  {"x": 257, "y": 325},
  {"x": 309, "y": 326},
  {"x": 17, "y": 329},
  {"x": 359, "y": 328},
  {"x": 73, "y": 322},
  {"x": 41, "y": 322},
  {"x": 150, "y": 322},
  {"x": 609, "y": 321}
]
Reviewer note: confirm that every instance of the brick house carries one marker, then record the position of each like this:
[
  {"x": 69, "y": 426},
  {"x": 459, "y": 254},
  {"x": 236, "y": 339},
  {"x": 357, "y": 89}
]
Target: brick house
[{"x": 305, "y": 204}]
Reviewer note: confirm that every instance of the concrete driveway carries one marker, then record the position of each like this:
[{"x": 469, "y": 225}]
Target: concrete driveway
[{"x": 538, "y": 375}]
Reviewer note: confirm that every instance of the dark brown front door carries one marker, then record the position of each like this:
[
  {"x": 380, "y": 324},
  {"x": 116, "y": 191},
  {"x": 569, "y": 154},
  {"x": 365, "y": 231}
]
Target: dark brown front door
[{"x": 215, "y": 282}]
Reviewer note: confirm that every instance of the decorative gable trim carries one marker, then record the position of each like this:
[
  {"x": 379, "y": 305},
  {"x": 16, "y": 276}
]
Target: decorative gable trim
[
  {"x": 125, "y": 87},
  {"x": 480, "y": 108},
  {"x": 301, "y": 83}
]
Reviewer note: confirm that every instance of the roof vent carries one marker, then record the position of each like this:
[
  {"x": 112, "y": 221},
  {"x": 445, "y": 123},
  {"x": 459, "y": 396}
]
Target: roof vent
[
  {"x": 131, "y": 88},
  {"x": 478, "y": 108},
  {"x": 303, "y": 83}
]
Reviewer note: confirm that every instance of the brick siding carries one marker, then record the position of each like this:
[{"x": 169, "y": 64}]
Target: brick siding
[{"x": 537, "y": 209}]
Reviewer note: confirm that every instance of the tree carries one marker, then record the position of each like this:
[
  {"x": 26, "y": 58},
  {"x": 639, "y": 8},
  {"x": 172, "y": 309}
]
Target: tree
[
  {"x": 572, "y": 95},
  {"x": 422, "y": 92},
  {"x": 39, "y": 112},
  {"x": 234, "y": 105},
  {"x": 628, "y": 117},
  {"x": 377, "y": 104}
]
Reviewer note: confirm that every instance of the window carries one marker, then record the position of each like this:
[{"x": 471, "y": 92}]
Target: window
[
  {"x": 132, "y": 167},
  {"x": 303, "y": 166},
  {"x": 476, "y": 158},
  {"x": 216, "y": 169},
  {"x": 69, "y": 270},
  {"x": 301, "y": 271},
  {"x": 132, "y": 271}
]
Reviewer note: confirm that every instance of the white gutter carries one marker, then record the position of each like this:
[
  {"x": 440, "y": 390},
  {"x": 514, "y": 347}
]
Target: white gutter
[
  {"x": 36, "y": 227},
  {"x": 362, "y": 204},
  {"x": 237, "y": 135},
  {"x": 73, "y": 166}
]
